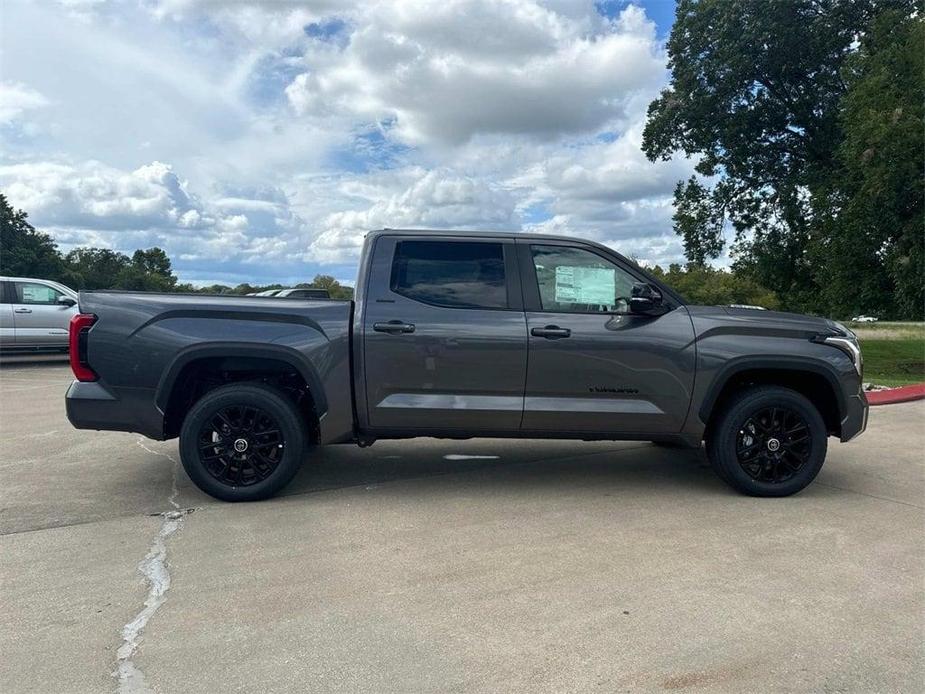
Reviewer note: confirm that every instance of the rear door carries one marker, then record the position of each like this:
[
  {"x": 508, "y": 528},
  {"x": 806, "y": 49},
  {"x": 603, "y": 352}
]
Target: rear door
[
  {"x": 445, "y": 341},
  {"x": 593, "y": 366},
  {"x": 39, "y": 319}
]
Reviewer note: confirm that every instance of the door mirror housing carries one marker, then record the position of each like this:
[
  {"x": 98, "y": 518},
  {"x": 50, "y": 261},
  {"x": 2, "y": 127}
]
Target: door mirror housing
[
  {"x": 646, "y": 300},
  {"x": 65, "y": 300}
]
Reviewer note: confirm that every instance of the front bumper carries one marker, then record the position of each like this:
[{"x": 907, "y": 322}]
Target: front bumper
[{"x": 854, "y": 423}]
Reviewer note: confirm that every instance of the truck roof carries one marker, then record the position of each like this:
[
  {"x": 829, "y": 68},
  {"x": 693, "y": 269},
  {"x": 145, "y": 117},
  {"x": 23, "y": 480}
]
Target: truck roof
[{"x": 481, "y": 234}]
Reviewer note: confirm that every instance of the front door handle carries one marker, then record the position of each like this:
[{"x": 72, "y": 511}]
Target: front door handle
[
  {"x": 22, "y": 310},
  {"x": 394, "y": 327},
  {"x": 551, "y": 332}
]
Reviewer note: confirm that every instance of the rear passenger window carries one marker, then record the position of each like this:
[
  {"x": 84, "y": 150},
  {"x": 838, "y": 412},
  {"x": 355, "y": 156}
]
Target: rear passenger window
[{"x": 456, "y": 274}]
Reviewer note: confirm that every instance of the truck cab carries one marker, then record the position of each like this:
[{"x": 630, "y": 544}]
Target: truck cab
[{"x": 462, "y": 333}]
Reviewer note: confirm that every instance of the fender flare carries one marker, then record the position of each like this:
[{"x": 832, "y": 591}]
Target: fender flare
[
  {"x": 290, "y": 356},
  {"x": 777, "y": 363}
]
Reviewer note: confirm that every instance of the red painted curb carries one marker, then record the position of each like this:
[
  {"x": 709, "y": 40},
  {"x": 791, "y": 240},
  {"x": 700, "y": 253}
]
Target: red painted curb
[{"x": 894, "y": 395}]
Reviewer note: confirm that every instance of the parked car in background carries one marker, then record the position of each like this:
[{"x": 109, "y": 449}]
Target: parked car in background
[
  {"x": 864, "y": 319},
  {"x": 465, "y": 334},
  {"x": 301, "y": 293},
  {"x": 295, "y": 293},
  {"x": 34, "y": 314}
]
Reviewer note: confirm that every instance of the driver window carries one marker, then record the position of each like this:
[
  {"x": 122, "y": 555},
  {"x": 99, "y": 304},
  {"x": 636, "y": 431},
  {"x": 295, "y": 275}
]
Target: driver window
[{"x": 573, "y": 280}]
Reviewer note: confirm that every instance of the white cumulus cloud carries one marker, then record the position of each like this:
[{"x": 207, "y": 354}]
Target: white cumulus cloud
[
  {"x": 448, "y": 70},
  {"x": 436, "y": 200},
  {"x": 267, "y": 138},
  {"x": 16, "y": 99}
]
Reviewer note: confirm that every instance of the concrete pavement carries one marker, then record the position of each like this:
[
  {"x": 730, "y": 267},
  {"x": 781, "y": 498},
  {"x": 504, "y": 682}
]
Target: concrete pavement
[{"x": 513, "y": 566}]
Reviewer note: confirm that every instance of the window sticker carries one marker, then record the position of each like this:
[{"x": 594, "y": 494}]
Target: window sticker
[
  {"x": 37, "y": 294},
  {"x": 585, "y": 285}
]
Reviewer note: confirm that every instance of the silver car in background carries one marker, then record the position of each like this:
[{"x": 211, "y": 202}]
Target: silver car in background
[
  {"x": 34, "y": 314},
  {"x": 302, "y": 293}
]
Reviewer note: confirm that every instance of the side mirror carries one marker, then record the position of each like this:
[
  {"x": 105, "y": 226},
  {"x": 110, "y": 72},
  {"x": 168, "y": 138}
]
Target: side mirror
[
  {"x": 646, "y": 300},
  {"x": 65, "y": 300}
]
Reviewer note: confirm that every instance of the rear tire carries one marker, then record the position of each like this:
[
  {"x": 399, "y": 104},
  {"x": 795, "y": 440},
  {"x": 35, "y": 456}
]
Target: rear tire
[
  {"x": 242, "y": 442},
  {"x": 768, "y": 441}
]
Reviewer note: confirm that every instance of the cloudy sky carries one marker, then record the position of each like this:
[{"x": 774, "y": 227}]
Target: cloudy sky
[{"x": 259, "y": 141}]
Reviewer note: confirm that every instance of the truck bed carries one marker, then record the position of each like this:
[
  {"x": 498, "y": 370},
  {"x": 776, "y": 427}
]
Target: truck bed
[{"x": 142, "y": 344}]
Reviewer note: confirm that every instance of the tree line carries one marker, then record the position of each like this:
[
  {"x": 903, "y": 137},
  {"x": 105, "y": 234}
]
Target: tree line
[
  {"x": 28, "y": 252},
  {"x": 806, "y": 119}
]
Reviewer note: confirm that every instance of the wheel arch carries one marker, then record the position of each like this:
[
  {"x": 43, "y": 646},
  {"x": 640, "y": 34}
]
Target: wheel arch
[
  {"x": 814, "y": 380},
  {"x": 238, "y": 358}
]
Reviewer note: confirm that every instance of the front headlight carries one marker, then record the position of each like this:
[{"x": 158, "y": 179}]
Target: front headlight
[
  {"x": 847, "y": 342},
  {"x": 842, "y": 330}
]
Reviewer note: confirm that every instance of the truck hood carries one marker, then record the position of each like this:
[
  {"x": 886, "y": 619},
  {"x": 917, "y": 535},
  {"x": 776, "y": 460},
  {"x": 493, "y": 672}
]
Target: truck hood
[{"x": 755, "y": 321}]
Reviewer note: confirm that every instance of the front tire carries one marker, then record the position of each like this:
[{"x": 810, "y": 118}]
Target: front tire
[
  {"x": 242, "y": 442},
  {"x": 768, "y": 441}
]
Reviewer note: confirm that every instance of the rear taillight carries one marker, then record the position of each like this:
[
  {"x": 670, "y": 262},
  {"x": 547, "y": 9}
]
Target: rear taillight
[{"x": 77, "y": 346}]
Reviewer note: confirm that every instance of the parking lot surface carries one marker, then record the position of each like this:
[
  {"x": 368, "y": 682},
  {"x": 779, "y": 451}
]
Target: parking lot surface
[{"x": 424, "y": 565}]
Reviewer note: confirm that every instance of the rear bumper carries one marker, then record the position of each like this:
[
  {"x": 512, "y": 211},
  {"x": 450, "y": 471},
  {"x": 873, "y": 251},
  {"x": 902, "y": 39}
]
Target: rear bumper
[
  {"x": 854, "y": 422},
  {"x": 90, "y": 405}
]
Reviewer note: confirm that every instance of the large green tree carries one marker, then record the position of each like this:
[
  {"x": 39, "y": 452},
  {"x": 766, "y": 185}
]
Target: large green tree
[
  {"x": 871, "y": 253},
  {"x": 149, "y": 271},
  {"x": 757, "y": 95},
  {"x": 25, "y": 252},
  {"x": 96, "y": 268}
]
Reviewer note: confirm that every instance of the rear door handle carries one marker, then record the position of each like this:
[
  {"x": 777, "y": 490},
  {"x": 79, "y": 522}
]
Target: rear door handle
[
  {"x": 22, "y": 310},
  {"x": 394, "y": 327},
  {"x": 551, "y": 332}
]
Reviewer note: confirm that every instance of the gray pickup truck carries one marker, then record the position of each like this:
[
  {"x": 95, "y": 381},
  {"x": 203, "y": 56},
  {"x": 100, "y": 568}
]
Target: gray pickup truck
[{"x": 461, "y": 335}]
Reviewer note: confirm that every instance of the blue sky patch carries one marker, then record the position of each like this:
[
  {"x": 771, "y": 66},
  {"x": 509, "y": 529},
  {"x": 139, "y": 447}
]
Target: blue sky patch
[
  {"x": 659, "y": 11},
  {"x": 535, "y": 213},
  {"x": 370, "y": 150},
  {"x": 329, "y": 30},
  {"x": 266, "y": 85}
]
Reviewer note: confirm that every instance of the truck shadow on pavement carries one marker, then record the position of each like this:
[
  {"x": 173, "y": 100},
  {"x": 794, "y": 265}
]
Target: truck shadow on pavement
[{"x": 514, "y": 465}]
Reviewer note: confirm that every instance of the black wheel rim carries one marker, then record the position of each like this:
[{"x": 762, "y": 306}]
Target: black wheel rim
[
  {"x": 773, "y": 444},
  {"x": 240, "y": 445}
]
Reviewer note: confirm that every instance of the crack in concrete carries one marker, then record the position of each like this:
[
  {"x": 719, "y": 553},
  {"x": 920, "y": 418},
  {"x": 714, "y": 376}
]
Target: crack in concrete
[
  {"x": 156, "y": 572},
  {"x": 174, "y": 488}
]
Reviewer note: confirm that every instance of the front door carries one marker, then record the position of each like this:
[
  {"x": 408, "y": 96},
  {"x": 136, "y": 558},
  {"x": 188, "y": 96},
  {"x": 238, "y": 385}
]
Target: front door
[
  {"x": 594, "y": 366},
  {"x": 444, "y": 336},
  {"x": 39, "y": 319}
]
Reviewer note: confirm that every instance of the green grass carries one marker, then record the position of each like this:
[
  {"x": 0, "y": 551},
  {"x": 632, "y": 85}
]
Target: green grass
[
  {"x": 891, "y": 330},
  {"x": 893, "y": 361}
]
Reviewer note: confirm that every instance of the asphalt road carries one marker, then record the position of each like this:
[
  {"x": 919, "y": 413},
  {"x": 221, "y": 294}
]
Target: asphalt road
[{"x": 412, "y": 567}]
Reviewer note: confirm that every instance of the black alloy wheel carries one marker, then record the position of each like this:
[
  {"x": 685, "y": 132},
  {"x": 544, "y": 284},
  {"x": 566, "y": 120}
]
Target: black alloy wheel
[
  {"x": 773, "y": 444},
  {"x": 240, "y": 445},
  {"x": 243, "y": 441},
  {"x": 767, "y": 441}
]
